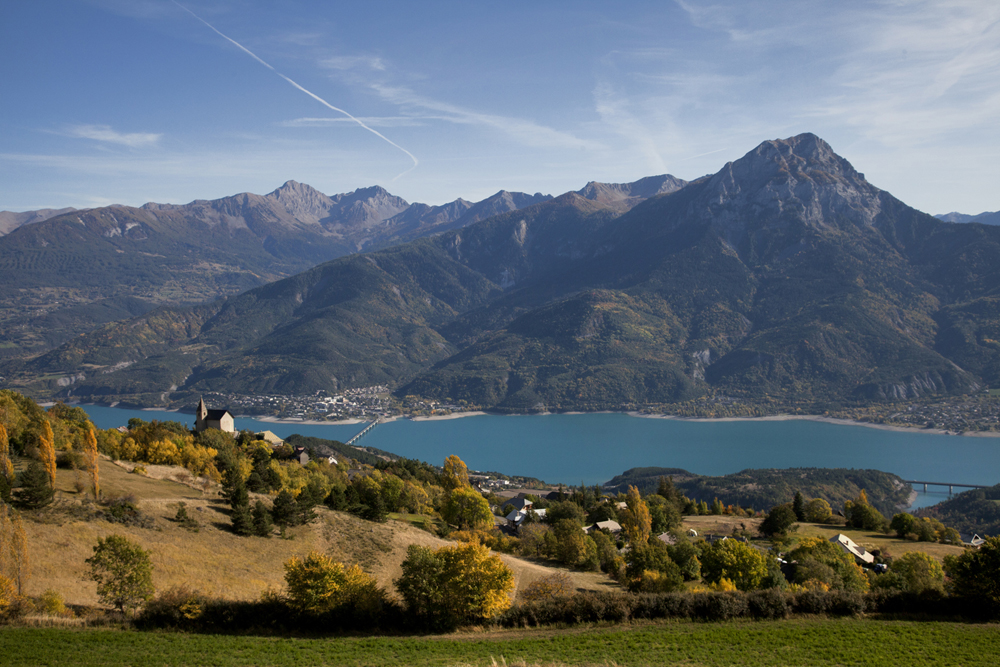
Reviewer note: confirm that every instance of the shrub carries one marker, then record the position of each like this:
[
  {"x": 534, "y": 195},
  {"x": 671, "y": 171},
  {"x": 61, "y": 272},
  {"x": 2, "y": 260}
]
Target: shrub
[
  {"x": 176, "y": 608},
  {"x": 124, "y": 511},
  {"x": 318, "y": 584},
  {"x": 769, "y": 603},
  {"x": 719, "y": 606},
  {"x": 52, "y": 604},
  {"x": 555, "y": 585}
]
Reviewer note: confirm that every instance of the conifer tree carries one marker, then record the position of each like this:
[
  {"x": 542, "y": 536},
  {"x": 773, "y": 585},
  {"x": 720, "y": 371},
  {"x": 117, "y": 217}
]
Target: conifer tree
[
  {"x": 35, "y": 491},
  {"x": 90, "y": 452},
  {"x": 799, "y": 506},
  {"x": 284, "y": 509},
  {"x": 47, "y": 451},
  {"x": 261, "y": 520},
  {"x": 240, "y": 502}
]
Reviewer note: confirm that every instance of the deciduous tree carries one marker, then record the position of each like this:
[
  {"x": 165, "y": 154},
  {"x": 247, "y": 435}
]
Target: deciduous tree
[
  {"x": 14, "y": 562},
  {"x": 47, "y": 450},
  {"x": 635, "y": 519},
  {"x": 467, "y": 508},
  {"x": 976, "y": 573},
  {"x": 455, "y": 584},
  {"x": 456, "y": 473},
  {"x": 6, "y": 466},
  {"x": 778, "y": 521},
  {"x": 731, "y": 559},
  {"x": 90, "y": 454},
  {"x": 123, "y": 572},
  {"x": 818, "y": 511}
]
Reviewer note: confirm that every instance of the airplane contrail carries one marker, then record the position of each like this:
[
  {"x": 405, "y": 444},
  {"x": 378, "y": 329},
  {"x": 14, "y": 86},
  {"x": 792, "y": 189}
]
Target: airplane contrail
[{"x": 307, "y": 92}]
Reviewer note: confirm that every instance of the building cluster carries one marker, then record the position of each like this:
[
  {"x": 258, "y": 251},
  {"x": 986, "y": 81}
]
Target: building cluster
[{"x": 361, "y": 403}]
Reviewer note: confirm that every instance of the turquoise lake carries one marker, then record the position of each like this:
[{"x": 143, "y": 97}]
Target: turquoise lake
[{"x": 592, "y": 448}]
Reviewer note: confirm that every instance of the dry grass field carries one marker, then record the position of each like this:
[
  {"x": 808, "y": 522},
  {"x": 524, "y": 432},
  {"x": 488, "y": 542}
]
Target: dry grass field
[
  {"x": 213, "y": 559},
  {"x": 872, "y": 541},
  {"x": 723, "y": 525}
]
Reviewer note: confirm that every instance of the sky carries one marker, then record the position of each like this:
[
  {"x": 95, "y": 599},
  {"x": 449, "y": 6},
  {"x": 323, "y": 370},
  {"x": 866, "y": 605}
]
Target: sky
[{"x": 131, "y": 101}]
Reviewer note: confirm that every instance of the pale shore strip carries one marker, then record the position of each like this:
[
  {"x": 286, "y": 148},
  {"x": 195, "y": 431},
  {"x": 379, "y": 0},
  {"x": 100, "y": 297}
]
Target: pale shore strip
[
  {"x": 820, "y": 418},
  {"x": 453, "y": 415}
]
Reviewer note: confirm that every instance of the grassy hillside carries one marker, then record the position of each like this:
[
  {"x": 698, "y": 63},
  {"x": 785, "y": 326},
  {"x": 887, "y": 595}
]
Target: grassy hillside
[{"x": 214, "y": 560}]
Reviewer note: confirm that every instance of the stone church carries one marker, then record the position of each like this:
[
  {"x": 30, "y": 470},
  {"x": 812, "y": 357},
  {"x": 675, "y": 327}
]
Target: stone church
[{"x": 220, "y": 419}]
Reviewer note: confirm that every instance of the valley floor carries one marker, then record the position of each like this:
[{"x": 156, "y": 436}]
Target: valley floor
[{"x": 813, "y": 641}]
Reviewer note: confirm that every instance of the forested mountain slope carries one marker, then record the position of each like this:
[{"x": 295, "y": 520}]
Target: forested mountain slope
[{"x": 785, "y": 274}]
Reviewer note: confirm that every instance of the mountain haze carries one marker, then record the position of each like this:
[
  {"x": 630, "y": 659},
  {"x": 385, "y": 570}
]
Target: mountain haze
[
  {"x": 786, "y": 274},
  {"x": 69, "y": 271}
]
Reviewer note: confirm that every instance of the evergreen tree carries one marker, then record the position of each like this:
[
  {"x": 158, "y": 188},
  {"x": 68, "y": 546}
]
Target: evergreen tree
[
  {"x": 284, "y": 509},
  {"x": 261, "y": 520},
  {"x": 799, "y": 506},
  {"x": 240, "y": 502},
  {"x": 337, "y": 500},
  {"x": 375, "y": 511},
  {"x": 35, "y": 489}
]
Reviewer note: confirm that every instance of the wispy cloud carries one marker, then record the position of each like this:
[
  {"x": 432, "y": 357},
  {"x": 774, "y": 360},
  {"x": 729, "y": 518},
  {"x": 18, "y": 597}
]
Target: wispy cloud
[
  {"x": 524, "y": 131},
  {"x": 105, "y": 134},
  {"x": 353, "y": 62},
  {"x": 303, "y": 89},
  {"x": 373, "y": 121}
]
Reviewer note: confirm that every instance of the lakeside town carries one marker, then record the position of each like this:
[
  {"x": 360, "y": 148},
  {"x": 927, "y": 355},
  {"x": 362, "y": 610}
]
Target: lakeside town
[{"x": 977, "y": 413}]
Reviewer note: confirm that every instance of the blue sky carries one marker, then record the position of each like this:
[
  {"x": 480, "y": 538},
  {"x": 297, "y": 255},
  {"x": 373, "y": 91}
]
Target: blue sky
[{"x": 129, "y": 101}]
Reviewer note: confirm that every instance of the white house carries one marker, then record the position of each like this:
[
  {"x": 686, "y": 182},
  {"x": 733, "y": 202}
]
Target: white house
[{"x": 851, "y": 547}]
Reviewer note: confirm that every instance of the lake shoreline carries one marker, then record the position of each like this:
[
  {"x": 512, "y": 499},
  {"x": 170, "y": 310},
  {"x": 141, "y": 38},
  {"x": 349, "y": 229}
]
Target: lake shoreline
[
  {"x": 353, "y": 421},
  {"x": 822, "y": 419}
]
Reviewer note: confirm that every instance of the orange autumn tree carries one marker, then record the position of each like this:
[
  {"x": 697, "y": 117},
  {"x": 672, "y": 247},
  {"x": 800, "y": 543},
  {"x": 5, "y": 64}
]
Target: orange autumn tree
[
  {"x": 635, "y": 519},
  {"x": 90, "y": 453},
  {"x": 6, "y": 466},
  {"x": 47, "y": 451}
]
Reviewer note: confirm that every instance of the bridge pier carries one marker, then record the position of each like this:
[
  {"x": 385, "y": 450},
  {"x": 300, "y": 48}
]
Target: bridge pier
[
  {"x": 951, "y": 489},
  {"x": 925, "y": 488}
]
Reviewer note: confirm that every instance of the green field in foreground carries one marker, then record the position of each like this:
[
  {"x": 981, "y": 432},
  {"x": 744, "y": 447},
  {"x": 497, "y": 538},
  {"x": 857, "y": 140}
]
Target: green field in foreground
[{"x": 792, "y": 642}]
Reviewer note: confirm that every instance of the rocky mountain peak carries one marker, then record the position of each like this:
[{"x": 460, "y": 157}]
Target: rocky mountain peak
[
  {"x": 301, "y": 201},
  {"x": 799, "y": 178},
  {"x": 626, "y": 195}
]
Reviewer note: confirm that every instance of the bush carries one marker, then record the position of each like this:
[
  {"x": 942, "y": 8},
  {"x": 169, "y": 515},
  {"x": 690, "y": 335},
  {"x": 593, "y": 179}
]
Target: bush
[
  {"x": 52, "y": 604},
  {"x": 770, "y": 603},
  {"x": 719, "y": 606},
  {"x": 553, "y": 586},
  {"x": 318, "y": 584},
  {"x": 124, "y": 511},
  {"x": 178, "y": 608}
]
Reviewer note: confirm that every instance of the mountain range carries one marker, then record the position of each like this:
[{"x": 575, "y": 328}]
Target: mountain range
[
  {"x": 986, "y": 218},
  {"x": 64, "y": 272},
  {"x": 785, "y": 275}
]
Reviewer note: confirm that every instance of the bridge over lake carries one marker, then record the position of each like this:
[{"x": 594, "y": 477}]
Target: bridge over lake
[{"x": 951, "y": 485}]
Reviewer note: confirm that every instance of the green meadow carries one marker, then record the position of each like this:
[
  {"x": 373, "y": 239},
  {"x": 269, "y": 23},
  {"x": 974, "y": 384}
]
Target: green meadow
[{"x": 789, "y": 642}]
